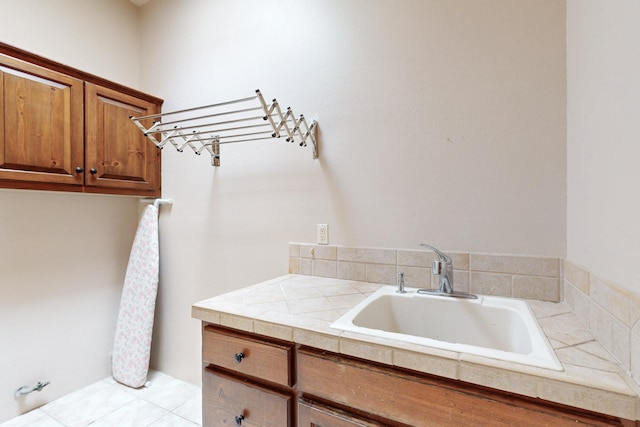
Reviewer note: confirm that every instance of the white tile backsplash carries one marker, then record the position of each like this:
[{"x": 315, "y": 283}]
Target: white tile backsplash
[
  {"x": 503, "y": 275},
  {"x": 515, "y": 264}
]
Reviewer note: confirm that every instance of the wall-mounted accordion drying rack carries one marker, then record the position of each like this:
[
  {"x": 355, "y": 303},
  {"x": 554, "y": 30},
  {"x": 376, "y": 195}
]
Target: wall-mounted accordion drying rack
[{"x": 240, "y": 120}]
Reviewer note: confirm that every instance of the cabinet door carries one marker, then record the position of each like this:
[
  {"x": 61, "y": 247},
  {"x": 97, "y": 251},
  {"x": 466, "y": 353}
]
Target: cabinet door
[
  {"x": 41, "y": 125},
  {"x": 228, "y": 400},
  {"x": 118, "y": 156}
]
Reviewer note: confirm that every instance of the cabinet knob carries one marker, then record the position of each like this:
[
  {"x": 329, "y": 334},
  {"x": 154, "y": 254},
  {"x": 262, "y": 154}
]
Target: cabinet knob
[
  {"x": 79, "y": 170},
  {"x": 93, "y": 171},
  {"x": 239, "y": 419},
  {"x": 238, "y": 358}
]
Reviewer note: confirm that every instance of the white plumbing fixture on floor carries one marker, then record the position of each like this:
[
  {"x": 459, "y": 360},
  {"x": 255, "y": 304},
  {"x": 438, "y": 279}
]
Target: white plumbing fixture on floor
[{"x": 25, "y": 389}]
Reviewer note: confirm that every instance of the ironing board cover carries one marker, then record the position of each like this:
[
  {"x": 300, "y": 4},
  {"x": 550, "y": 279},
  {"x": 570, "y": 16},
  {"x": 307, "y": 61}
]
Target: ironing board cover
[{"x": 132, "y": 343}]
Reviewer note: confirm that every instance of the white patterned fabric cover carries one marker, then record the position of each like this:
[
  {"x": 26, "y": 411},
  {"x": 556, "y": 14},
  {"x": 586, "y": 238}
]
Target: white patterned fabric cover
[{"x": 132, "y": 343}]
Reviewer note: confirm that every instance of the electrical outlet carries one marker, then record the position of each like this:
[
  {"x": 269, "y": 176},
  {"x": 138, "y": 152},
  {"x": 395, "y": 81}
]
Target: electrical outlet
[{"x": 323, "y": 234}]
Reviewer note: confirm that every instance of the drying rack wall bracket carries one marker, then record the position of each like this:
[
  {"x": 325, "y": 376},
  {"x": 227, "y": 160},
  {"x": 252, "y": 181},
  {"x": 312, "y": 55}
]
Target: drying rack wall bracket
[{"x": 208, "y": 127}]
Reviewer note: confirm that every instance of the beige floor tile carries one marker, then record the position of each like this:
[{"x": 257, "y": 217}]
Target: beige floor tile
[
  {"x": 165, "y": 391},
  {"x": 35, "y": 418},
  {"x": 172, "y": 420},
  {"x": 85, "y": 406},
  {"x": 191, "y": 409},
  {"x": 135, "y": 414}
]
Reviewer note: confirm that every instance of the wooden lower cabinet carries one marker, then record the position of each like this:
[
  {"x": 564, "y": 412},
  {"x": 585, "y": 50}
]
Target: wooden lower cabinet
[{"x": 252, "y": 380}]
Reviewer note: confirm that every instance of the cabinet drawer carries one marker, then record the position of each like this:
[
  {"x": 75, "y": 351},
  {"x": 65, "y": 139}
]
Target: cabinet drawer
[
  {"x": 316, "y": 415},
  {"x": 229, "y": 401},
  {"x": 267, "y": 360}
]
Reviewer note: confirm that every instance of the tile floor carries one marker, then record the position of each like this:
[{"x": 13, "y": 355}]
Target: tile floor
[{"x": 167, "y": 402}]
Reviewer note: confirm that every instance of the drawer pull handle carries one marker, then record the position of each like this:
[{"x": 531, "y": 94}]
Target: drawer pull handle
[
  {"x": 239, "y": 419},
  {"x": 238, "y": 358}
]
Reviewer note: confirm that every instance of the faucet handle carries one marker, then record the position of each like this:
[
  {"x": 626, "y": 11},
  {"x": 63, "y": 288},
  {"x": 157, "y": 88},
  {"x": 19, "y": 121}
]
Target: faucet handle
[{"x": 438, "y": 267}]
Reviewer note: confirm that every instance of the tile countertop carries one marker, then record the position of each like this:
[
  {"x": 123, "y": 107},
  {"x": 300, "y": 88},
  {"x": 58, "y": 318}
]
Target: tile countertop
[{"x": 300, "y": 309}]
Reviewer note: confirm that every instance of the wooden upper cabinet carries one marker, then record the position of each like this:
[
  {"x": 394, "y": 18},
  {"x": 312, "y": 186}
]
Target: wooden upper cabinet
[
  {"x": 66, "y": 130},
  {"x": 41, "y": 124},
  {"x": 118, "y": 155}
]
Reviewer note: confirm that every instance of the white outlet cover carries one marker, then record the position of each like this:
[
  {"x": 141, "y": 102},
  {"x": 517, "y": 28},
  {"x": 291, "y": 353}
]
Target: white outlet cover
[{"x": 323, "y": 234}]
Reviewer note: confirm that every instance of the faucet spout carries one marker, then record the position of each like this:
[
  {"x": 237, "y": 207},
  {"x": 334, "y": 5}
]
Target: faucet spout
[
  {"x": 443, "y": 267},
  {"x": 443, "y": 257}
]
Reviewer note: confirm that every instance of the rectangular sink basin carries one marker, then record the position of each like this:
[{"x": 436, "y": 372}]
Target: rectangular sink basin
[{"x": 494, "y": 327}]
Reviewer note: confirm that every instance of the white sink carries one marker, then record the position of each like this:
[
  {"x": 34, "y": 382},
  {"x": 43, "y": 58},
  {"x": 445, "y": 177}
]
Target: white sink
[{"x": 495, "y": 327}]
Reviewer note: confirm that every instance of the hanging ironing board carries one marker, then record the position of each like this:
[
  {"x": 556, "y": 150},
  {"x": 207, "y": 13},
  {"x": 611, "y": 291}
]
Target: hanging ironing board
[{"x": 134, "y": 328}]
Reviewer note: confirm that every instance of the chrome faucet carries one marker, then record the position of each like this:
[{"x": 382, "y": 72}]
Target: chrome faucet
[{"x": 443, "y": 267}]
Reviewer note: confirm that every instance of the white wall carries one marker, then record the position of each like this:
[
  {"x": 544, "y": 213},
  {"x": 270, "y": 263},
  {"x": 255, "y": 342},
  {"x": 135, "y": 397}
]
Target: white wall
[
  {"x": 100, "y": 37},
  {"x": 63, "y": 256},
  {"x": 603, "y": 65},
  {"x": 442, "y": 122}
]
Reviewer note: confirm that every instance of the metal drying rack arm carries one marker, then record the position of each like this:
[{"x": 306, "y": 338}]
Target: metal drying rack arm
[{"x": 209, "y": 126}]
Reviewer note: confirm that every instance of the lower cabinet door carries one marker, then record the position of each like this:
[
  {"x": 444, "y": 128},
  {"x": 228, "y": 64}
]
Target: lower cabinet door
[
  {"x": 231, "y": 401},
  {"x": 315, "y": 415}
]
